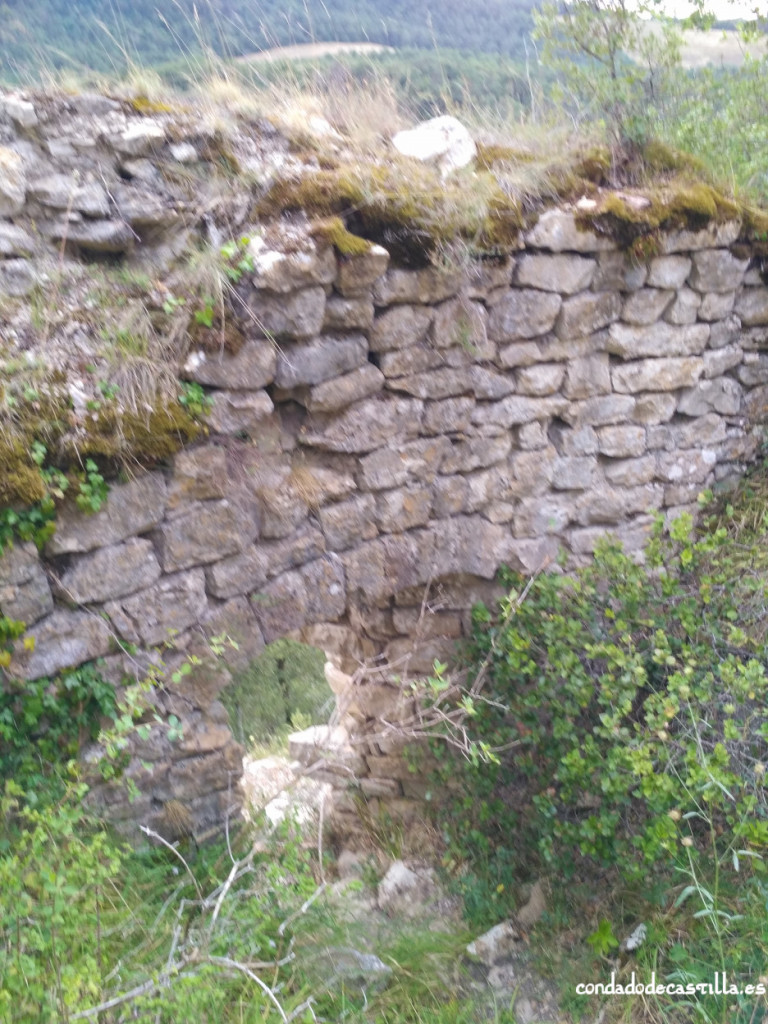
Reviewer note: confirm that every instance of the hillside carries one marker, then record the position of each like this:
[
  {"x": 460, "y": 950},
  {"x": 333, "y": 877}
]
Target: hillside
[{"x": 87, "y": 35}]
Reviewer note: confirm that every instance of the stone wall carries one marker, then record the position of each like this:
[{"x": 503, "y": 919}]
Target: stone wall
[{"x": 383, "y": 440}]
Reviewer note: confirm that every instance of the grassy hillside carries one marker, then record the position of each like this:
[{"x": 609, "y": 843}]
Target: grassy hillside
[{"x": 105, "y": 37}]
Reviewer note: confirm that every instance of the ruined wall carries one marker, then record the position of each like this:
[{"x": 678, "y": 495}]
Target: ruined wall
[{"x": 385, "y": 434}]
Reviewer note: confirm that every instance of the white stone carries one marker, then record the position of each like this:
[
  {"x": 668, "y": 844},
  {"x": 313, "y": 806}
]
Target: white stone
[{"x": 443, "y": 141}]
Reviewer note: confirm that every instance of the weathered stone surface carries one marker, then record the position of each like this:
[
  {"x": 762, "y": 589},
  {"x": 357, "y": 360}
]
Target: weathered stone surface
[
  {"x": 716, "y": 305},
  {"x": 432, "y": 284},
  {"x": 523, "y": 313},
  {"x": 703, "y": 431},
  {"x": 390, "y": 467},
  {"x": 340, "y": 392},
  {"x": 754, "y": 369},
  {"x": 239, "y": 412},
  {"x": 574, "y": 474},
  {"x": 151, "y": 616},
  {"x": 544, "y": 379},
  {"x": 323, "y": 359},
  {"x": 206, "y": 532},
  {"x": 348, "y": 314},
  {"x": 296, "y": 598},
  {"x": 110, "y": 572},
  {"x": 587, "y": 376},
  {"x": 461, "y": 322},
  {"x": 657, "y": 374},
  {"x": 583, "y": 314},
  {"x": 349, "y": 522},
  {"x": 579, "y": 441},
  {"x": 239, "y": 574},
  {"x": 24, "y": 592},
  {"x": 438, "y": 383},
  {"x": 669, "y": 271},
  {"x": 63, "y": 192},
  {"x": 616, "y": 272},
  {"x": 752, "y": 306},
  {"x": 630, "y": 472},
  {"x": 130, "y": 509},
  {"x": 15, "y": 241},
  {"x": 712, "y": 236},
  {"x": 685, "y": 467},
  {"x": 139, "y": 138},
  {"x": 17, "y": 278},
  {"x": 358, "y": 273},
  {"x": 600, "y": 410},
  {"x": 107, "y": 236},
  {"x": 448, "y": 416},
  {"x": 611, "y": 505},
  {"x": 285, "y": 272},
  {"x": 476, "y": 453},
  {"x": 20, "y": 111},
  {"x": 13, "y": 183},
  {"x": 621, "y": 442},
  {"x": 717, "y": 270},
  {"x": 685, "y": 308},
  {"x": 487, "y": 384},
  {"x": 646, "y": 306},
  {"x": 296, "y": 315},
  {"x": 517, "y": 409},
  {"x": 719, "y": 361},
  {"x": 657, "y": 340},
  {"x": 284, "y": 503},
  {"x": 540, "y": 516},
  {"x": 406, "y": 361},
  {"x": 399, "y": 327},
  {"x": 198, "y": 474},
  {"x": 62, "y": 640},
  {"x": 450, "y": 496},
  {"x": 556, "y": 230},
  {"x": 565, "y": 274},
  {"x": 654, "y": 408},
  {"x": 364, "y": 426},
  {"x": 252, "y": 368},
  {"x": 722, "y": 395},
  {"x": 403, "y": 508}
]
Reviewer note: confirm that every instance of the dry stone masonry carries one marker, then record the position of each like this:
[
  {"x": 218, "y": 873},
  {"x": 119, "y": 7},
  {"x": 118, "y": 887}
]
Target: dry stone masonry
[{"x": 383, "y": 437}]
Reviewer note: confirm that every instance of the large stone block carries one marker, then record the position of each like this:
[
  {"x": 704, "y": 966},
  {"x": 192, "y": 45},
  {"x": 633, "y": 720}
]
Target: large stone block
[
  {"x": 587, "y": 376},
  {"x": 392, "y": 563},
  {"x": 597, "y": 411},
  {"x": 406, "y": 361},
  {"x": 451, "y": 415},
  {"x": 24, "y": 591},
  {"x": 431, "y": 285},
  {"x": 616, "y": 272},
  {"x": 437, "y": 383},
  {"x": 64, "y": 639},
  {"x": 403, "y": 508},
  {"x": 646, "y": 306},
  {"x": 239, "y": 412},
  {"x": 754, "y": 369},
  {"x": 557, "y": 231},
  {"x": 463, "y": 323},
  {"x": 719, "y": 361},
  {"x": 110, "y": 572},
  {"x": 13, "y": 182},
  {"x": 523, "y": 313},
  {"x": 717, "y": 270},
  {"x": 621, "y": 441},
  {"x": 252, "y": 368},
  {"x": 586, "y": 313},
  {"x": 348, "y": 314},
  {"x": 476, "y": 453},
  {"x": 657, "y": 374},
  {"x": 713, "y": 236},
  {"x": 400, "y": 327},
  {"x": 544, "y": 379},
  {"x": 349, "y": 522},
  {"x": 657, "y": 340},
  {"x": 752, "y": 306},
  {"x": 285, "y": 272},
  {"x": 198, "y": 474},
  {"x": 390, "y": 467},
  {"x": 574, "y": 474},
  {"x": 563, "y": 273},
  {"x": 654, "y": 408},
  {"x": 367, "y": 425},
  {"x": 239, "y": 574},
  {"x": 723, "y": 395},
  {"x": 205, "y": 533},
  {"x": 313, "y": 362},
  {"x": 358, "y": 273},
  {"x": 157, "y": 614},
  {"x": 685, "y": 308},
  {"x": 518, "y": 409},
  {"x": 130, "y": 509},
  {"x": 669, "y": 271},
  {"x": 295, "y": 315},
  {"x": 716, "y": 305},
  {"x": 336, "y": 394}
]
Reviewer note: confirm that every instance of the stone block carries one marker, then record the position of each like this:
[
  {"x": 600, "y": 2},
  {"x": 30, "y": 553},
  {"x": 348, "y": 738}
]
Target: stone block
[
  {"x": 557, "y": 231},
  {"x": 723, "y": 395},
  {"x": 364, "y": 426},
  {"x": 476, "y": 453},
  {"x": 283, "y": 506},
  {"x": 719, "y": 361},
  {"x": 531, "y": 436},
  {"x": 25, "y": 595},
  {"x": 130, "y": 509},
  {"x": 62, "y": 640},
  {"x": 239, "y": 412},
  {"x": 518, "y": 409},
  {"x": 523, "y": 313},
  {"x": 654, "y": 408},
  {"x": 685, "y": 467},
  {"x": 348, "y": 522},
  {"x": 201, "y": 534},
  {"x": 574, "y": 442},
  {"x": 630, "y": 472},
  {"x": 417, "y": 460},
  {"x": 753, "y": 370},
  {"x": 716, "y": 305},
  {"x": 358, "y": 273},
  {"x": 399, "y": 328},
  {"x": 539, "y": 516},
  {"x": 313, "y": 362},
  {"x": 586, "y": 313},
  {"x": 198, "y": 474},
  {"x": 406, "y": 361},
  {"x": 451, "y": 415},
  {"x": 340, "y": 392},
  {"x": 587, "y": 376},
  {"x": 110, "y": 572},
  {"x": 171, "y": 605},
  {"x": 251, "y": 369},
  {"x": 463, "y": 323},
  {"x": 598, "y": 411},
  {"x": 13, "y": 182},
  {"x": 403, "y": 509},
  {"x": 451, "y": 494},
  {"x": 431, "y": 285},
  {"x": 657, "y": 374},
  {"x": 669, "y": 271},
  {"x": 574, "y": 474},
  {"x": 15, "y": 241},
  {"x": 239, "y": 574},
  {"x": 284, "y": 272},
  {"x": 392, "y": 563},
  {"x": 562, "y": 273},
  {"x": 543, "y": 379},
  {"x": 348, "y": 314},
  {"x": 661, "y": 339},
  {"x": 434, "y": 384},
  {"x": 621, "y": 442},
  {"x": 295, "y": 315},
  {"x": 751, "y": 306},
  {"x": 326, "y": 589},
  {"x": 646, "y": 306},
  {"x": 710, "y": 237},
  {"x": 613, "y": 505},
  {"x": 685, "y": 307},
  {"x": 616, "y": 272},
  {"x": 717, "y": 270},
  {"x": 490, "y": 385}
]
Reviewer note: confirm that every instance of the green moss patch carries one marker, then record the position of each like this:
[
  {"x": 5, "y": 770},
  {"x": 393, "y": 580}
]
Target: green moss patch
[{"x": 334, "y": 232}]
